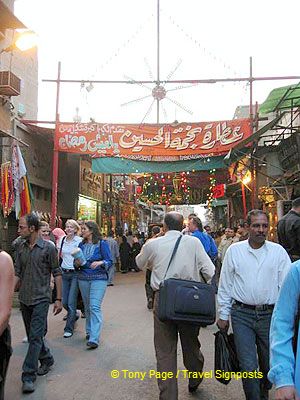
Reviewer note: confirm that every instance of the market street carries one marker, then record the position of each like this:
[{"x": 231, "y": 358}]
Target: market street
[{"x": 127, "y": 344}]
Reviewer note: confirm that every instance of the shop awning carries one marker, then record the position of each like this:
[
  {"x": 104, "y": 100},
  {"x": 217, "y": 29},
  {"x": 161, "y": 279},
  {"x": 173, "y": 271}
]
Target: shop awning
[
  {"x": 8, "y": 20},
  {"x": 281, "y": 98},
  {"x": 115, "y": 165}
]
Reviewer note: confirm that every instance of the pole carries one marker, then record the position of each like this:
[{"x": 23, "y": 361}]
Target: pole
[
  {"x": 251, "y": 97},
  {"x": 55, "y": 155},
  {"x": 244, "y": 201},
  {"x": 110, "y": 203},
  {"x": 158, "y": 44}
]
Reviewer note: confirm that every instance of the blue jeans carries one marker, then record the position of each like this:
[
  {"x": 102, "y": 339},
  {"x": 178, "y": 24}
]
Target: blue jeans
[
  {"x": 35, "y": 321},
  {"x": 251, "y": 336},
  {"x": 92, "y": 293},
  {"x": 69, "y": 298},
  {"x": 111, "y": 273}
]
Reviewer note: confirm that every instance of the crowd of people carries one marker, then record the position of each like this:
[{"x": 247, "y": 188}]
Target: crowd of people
[{"x": 257, "y": 284}]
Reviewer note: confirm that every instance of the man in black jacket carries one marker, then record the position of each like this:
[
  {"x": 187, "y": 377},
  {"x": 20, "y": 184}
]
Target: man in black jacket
[{"x": 288, "y": 230}]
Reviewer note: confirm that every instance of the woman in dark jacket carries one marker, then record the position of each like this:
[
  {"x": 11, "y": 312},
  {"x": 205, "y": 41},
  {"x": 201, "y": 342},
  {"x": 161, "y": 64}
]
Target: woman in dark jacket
[
  {"x": 92, "y": 279},
  {"x": 136, "y": 249},
  {"x": 125, "y": 252}
]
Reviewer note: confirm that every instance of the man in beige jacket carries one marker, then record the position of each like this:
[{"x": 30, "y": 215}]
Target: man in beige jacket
[
  {"x": 189, "y": 260},
  {"x": 226, "y": 241}
]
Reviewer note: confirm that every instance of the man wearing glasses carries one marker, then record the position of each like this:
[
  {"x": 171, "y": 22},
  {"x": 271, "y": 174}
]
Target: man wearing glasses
[
  {"x": 252, "y": 274},
  {"x": 36, "y": 260}
]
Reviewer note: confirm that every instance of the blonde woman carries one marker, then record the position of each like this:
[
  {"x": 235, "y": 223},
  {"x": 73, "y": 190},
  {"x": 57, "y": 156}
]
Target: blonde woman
[{"x": 69, "y": 276}]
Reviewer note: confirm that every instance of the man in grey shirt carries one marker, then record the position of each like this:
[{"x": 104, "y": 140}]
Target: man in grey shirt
[{"x": 36, "y": 260}]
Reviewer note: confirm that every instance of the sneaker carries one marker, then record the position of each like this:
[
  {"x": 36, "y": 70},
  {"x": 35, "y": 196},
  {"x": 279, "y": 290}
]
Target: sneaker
[
  {"x": 45, "y": 367},
  {"x": 28, "y": 387},
  {"x": 92, "y": 345},
  {"x": 68, "y": 334},
  {"x": 25, "y": 339}
]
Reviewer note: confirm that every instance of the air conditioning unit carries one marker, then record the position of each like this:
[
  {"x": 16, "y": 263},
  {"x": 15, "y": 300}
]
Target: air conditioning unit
[{"x": 10, "y": 84}]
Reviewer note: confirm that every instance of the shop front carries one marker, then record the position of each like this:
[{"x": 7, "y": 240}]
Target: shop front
[{"x": 90, "y": 198}]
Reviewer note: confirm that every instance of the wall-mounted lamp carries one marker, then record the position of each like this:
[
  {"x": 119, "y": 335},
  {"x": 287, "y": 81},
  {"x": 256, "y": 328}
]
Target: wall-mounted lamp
[{"x": 24, "y": 40}]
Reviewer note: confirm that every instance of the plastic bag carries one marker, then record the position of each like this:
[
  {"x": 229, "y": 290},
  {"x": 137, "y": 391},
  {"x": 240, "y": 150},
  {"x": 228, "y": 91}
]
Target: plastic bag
[{"x": 226, "y": 360}]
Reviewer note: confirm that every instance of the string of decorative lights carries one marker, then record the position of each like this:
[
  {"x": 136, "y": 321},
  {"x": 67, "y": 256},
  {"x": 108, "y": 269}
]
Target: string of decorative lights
[
  {"x": 212, "y": 185},
  {"x": 197, "y": 42},
  {"x": 166, "y": 189}
]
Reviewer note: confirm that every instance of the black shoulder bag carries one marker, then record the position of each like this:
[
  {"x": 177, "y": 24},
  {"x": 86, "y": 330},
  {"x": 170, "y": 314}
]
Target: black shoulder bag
[
  {"x": 186, "y": 301},
  {"x": 60, "y": 260}
]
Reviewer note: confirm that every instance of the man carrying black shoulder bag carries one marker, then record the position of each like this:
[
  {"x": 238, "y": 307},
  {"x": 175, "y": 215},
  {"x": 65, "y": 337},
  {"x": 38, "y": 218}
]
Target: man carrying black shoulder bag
[{"x": 188, "y": 263}]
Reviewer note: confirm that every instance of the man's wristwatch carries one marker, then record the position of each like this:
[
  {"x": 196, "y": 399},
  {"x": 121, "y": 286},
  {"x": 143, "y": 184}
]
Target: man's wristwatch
[{"x": 57, "y": 299}]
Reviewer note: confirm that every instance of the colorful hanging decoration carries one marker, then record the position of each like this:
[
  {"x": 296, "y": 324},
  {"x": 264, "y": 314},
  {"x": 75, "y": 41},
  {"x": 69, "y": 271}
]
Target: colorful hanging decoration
[
  {"x": 165, "y": 189},
  {"x": 23, "y": 197},
  {"x": 7, "y": 189}
]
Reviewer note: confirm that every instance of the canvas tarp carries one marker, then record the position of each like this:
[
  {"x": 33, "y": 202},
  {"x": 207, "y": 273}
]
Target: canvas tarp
[{"x": 281, "y": 98}]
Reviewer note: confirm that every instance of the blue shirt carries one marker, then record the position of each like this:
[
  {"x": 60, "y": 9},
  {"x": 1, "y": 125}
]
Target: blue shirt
[
  {"x": 95, "y": 252},
  {"x": 207, "y": 242},
  {"x": 285, "y": 370}
]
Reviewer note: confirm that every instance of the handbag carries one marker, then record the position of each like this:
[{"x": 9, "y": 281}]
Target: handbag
[
  {"x": 225, "y": 357},
  {"x": 60, "y": 260},
  {"x": 186, "y": 301}
]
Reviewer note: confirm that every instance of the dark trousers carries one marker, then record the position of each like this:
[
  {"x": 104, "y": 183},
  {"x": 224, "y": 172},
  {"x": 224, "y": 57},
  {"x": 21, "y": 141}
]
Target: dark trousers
[
  {"x": 35, "y": 321},
  {"x": 251, "y": 336},
  {"x": 148, "y": 288},
  {"x": 5, "y": 353},
  {"x": 165, "y": 342}
]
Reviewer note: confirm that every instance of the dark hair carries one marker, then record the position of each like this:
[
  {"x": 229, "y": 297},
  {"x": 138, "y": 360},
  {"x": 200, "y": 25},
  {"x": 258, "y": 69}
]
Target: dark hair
[
  {"x": 96, "y": 235},
  {"x": 255, "y": 213},
  {"x": 296, "y": 203},
  {"x": 206, "y": 226},
  {"x": 242, "y": 224},
  {"x": 197, "y": 222},
  {"x": 192, "y": 215},
  {"x": 32, "y": 219},
  {"x": 174, "y": 221},
  {"x": 111, "y": 233},
  {"x": 155, "y": 230},
  {"x": 124, "y": 239}
]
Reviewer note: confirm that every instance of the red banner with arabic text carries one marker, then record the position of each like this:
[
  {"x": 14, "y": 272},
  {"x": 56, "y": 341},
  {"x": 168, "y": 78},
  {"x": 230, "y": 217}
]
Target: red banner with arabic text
[{"x": 138, "y": 141}]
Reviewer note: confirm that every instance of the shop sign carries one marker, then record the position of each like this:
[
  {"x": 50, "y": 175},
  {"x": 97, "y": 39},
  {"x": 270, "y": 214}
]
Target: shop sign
[
  {"x": 87, "y": 209},
  {"x": 90, "y": 183},
  {"x": 138, "y": 141}
]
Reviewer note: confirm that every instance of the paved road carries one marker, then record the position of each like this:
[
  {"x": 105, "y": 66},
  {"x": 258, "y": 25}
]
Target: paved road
[{"x": 127, "y": 344}]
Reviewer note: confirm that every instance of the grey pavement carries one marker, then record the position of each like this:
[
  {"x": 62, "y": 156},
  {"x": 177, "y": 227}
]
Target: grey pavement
[{"x": 126, "y": 344}]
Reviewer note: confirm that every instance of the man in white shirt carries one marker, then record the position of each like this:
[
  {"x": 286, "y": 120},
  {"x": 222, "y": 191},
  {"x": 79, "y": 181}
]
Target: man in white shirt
[
  {"x": 252, "y": 274},
  {"x": 189, "y": 260}
]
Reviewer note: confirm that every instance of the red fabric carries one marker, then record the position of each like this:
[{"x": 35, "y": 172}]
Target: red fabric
[{"x": 218, "y": 191}]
